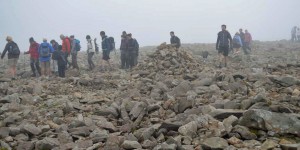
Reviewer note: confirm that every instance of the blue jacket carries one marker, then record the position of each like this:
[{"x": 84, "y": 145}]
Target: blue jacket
[
  {"x": 238, "y": 40},
  {"x": 45, "y": 59}
]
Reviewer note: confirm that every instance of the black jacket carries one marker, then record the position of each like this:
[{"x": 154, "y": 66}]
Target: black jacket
[
  {"x": 175, "y": 40},
  {"x": 223, "y": 39},
  {"x": 242, "y": 35},
  {"x": 132, "y": 45},
  {"x": 7, "y": 48},
  {"x": 60, "y": 57}
]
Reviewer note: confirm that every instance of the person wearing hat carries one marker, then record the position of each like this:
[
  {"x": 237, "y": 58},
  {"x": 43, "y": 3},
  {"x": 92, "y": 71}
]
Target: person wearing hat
[
  {"x": 13, "y": 55},
  {"x": 45, "y": 51},
  {"x": 34, "y": 57}
]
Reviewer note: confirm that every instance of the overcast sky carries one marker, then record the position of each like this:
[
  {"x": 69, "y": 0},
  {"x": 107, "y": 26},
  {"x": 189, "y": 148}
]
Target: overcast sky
[{"x": 150, "y": 21}]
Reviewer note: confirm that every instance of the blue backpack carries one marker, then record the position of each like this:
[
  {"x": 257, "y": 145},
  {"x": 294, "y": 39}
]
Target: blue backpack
[
  {"x": 45, "y": 51},
  {"x": 77, "y": 45}
]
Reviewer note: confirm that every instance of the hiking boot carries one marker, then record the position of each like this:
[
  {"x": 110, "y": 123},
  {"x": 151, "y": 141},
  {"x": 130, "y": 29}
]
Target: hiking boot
[{"x": 33, "y": 75}]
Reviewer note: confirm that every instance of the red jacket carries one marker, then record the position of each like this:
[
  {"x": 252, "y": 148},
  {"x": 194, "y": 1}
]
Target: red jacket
[
  {"x": 66, "y": 46},
  {"x": 248, "y": 38},
  {"x": 34, "y": 50}
]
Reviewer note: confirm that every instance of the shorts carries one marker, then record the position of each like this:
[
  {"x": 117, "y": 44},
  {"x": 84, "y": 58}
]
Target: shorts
[
  {"x": 45, "y": 64},
  {"x": 236, "y": 45},
  {"x": 224, "y": 50},
  {"x": 12, "y": 62},
  {"x": 105, "y": 55}
]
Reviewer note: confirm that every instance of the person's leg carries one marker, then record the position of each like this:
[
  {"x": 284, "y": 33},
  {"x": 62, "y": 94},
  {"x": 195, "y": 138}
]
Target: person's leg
[
  {"x": 37, "y": 66},
  {"x": 32, "y": 65},
  {"x": 90, "y": 60},
  {"x": 42, "y": 69},
  {"x": 225, "y": 55},
  {"x": 63, "y": 72},
  {"x": 48, "y": 68},
  {"x": 75, "y": 62},
  {"x": 123, "y": 60},
  {"x": 127, "y": 60}
]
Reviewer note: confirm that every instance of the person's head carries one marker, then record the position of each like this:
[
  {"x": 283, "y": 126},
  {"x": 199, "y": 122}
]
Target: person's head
[
  {"x": 88, "y": 37},
  {"x": 129, "y": 36},
  {"x": 31, "y": 40},
  {"x": 237, "y": 33},
  {"x": 44, "y": 40},
  {"x": 9, "y": 39},
  {"x": 102, "y": 33},
  {"x": 72, "y": 37},
  {"x": 241, "y": 30},
  {"x": 223, "y": 27},
  {"x": 62, "y": 37},
  {"x": 59, "y": 47},
  {"x": 124, "y": 33},
  {"x": 172, "y": 33},
  {"x": 52, "y": 42},
  {"x": 246, "y": 31}
]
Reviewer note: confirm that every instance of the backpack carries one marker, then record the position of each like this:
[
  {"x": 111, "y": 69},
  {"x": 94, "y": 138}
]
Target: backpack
[
  {"x": 111, "y": 43},
  {"x": 45, "y": 51},
  {"x": 137, "y": 46},
  {"x": 179, "y": 42},
  {"x": 77, "y": 45},
  {"x": 236, "y": 40},
  {"x": 14, "y": 49}
]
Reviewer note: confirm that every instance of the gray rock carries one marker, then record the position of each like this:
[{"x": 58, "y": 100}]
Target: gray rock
[
  {"x": 11, "y": 98},
  {"x": 205, "y": 82},
  {"x": 103, "y": 123},
  {"x": 99, "y": 135},
  {"x": 76, "y": 123},
  {"x": 5, "y": 145},
  {"x": 183, "y": 104},
  {"x": 290, "y": 146},
  {"x": 215, "y": 143},
  {"x": 266, "y": 120},
  {"x": 225, "y": 113},
  {"x": 80, "y": 131},
  {"x": 232, "y": 105},
  {"x": 105, "y": 111},
  {"x": 229, "y": 123},
  {"x": 181, "y": 89},
  {"x": 14, "y": 131},
  {"x": 137, "y": 110},
  {"x": 131, "y": 145},
  {"x": 187, "y": 147},
  {"x": 269, "y": 144},
  {"x": 165, "y": 146},
  {"x": 21, "y": 137},
  {"x": 284, "y": 81},
  {"x": 64, "y": 137},
  {"x": 47, "y": 144},
  {"x": 31, "y": 129},
  {"x": 147, "y": 144},
  {"x": 84, "y": 144},
  {"x": 4, "y": 132},
  {"x": 244, "y": 132},
  {"x": 25, "y": 146},
  {"x": 245, "y": 104},
  {"x": 189, "y": 129}
]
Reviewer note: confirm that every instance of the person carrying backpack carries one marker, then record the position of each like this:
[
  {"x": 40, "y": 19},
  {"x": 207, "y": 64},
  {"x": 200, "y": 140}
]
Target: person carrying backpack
[
  {"x": 293, "y": 33},
  {"x": 224, "y": 40},
  {"x": 237, "y": 43},
  {"x": 131, "y": 50},
  {"x": 123, "y": 49},
  {"x": 107, "y": 46},
  {"x": 248, "y": 40},
  {"x": 13, "y": 55},
  {"x": 66, "y": 48},
  {"x": 75, "y": 48},
  {"x": 59, "y": 56},
  {"x": 45, "y": 51},
  {"x": 54, "y": 61},
  {"x": 90, "y": 52},
  {"x": 175, "y": 41},
  {"x": 34, "y": 57}
]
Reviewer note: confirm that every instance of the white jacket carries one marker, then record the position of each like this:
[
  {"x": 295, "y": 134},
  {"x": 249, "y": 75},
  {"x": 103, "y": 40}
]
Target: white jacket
[{"x": 90, "y": 47}]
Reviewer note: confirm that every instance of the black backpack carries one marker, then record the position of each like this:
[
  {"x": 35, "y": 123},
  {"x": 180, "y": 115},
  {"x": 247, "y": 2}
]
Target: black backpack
[
  {"x": 14, "y": 49},
  {"x": 111, "y": 43}
]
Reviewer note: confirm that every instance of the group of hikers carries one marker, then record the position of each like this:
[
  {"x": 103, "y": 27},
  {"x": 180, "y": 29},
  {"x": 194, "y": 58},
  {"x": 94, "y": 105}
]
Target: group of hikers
[
  {"x": 295, "y": 34},
  {"x": 41, "y": 55},
  {"x": 225, "y": 43}
]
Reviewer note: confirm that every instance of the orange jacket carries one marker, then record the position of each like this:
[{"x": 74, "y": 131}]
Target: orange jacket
[{"x": 66, "y": 46}]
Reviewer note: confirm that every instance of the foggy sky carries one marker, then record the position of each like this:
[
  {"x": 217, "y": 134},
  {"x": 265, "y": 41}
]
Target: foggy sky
[{"x": 150, "y": 21}]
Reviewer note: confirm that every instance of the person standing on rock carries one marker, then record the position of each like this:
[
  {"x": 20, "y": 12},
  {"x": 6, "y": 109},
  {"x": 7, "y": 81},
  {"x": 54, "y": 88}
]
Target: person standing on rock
[
  {"x": 298, "y": 34},
  {"x": 90, "y": 52},
  {"x": 34, "y": 57},
  {"x": 224, "y": 40},
  {"x": 237, "y": 43},
  {"x": 45, "y": 51},
  {"x": 248, "y": 40},
  {"x": 242, "y": 35},
  {"x": 293, "y": 33},
  {"x": 123, "y": 49},
  {"x": 13, "y": 56},
  {"x": 66, "y": 48},
  {"x": 75, "y": 47},
  {"x": 106, "y": 48},
  {"x": 59, "y": 56},
  {"x": 132, "y": 51},
  {"x": 54, "y": 61},
  {"x": 175, "y": 41}
]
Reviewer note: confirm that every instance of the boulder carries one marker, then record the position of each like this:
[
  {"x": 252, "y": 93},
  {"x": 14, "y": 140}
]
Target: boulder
[
  {"x": 189, "y": 129},
  {"x": 131, "y": 145},
  {"x": 215, "y": 143}
]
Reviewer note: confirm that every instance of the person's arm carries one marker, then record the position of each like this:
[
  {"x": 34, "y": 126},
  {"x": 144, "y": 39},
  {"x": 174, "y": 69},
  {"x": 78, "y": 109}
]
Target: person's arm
[
  {"x": 230, "y": 40},
  {"x": 240, "y": 41},
  {"x": 4, "y": 51},
  {"x": 217, "y": 44},
  {"x": 68, "y": 46},
  {"x": 51, "y": 48}
]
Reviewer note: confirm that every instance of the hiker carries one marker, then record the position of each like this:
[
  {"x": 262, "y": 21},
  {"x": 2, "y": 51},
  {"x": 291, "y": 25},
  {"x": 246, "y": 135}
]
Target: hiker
[
  {"x": 66, "y": 48},
  {"x": 54, "y": 61},
  {"x": 298, "y": 34},
  {"x": 175, "y": 41},
  {"x": 237, "y": 43},
  {"x": 224, "y": 40},
  {"x": 59, "y": 56},
  {"x": 13, "y": 55},
  {"x": 131, "y": 51},
  {"x": 123, "y": 50},
  {"x": 248, "y": 40},
  {"x": 293, "y": 32},
  {"x": 45, "y": 51},
  {"x": 90, "y": 52},
  {"x": 107, "y": 47},
  {"x": 34, "y": 57},
  {"x": 136, "y": 52},
  {"x": 242, "y": 35},
  {"x": 75, "y": 48}
]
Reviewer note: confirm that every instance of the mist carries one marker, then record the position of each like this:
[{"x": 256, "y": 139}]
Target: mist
[{"x": 150, "y": 22}]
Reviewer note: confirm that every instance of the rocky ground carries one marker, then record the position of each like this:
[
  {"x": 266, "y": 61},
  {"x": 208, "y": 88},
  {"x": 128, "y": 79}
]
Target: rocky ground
[{"x": 173, "y": 99}]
